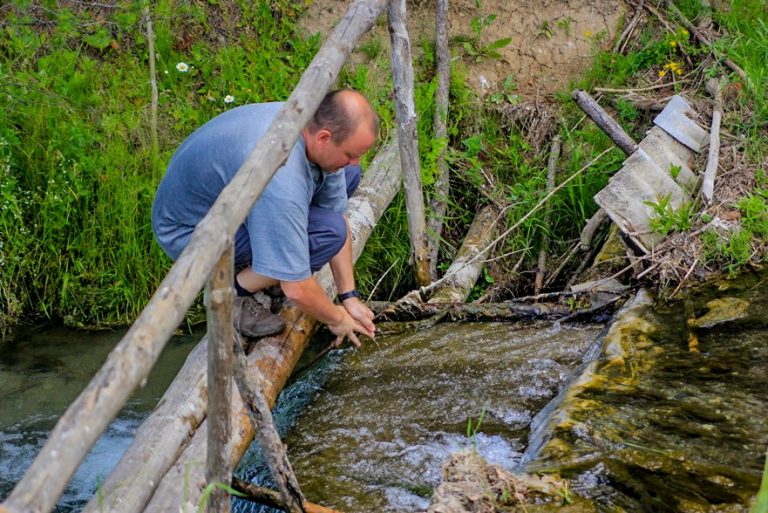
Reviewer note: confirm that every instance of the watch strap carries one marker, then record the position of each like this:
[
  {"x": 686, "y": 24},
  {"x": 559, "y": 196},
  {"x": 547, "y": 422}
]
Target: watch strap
[{"x": 350, "y": 294}]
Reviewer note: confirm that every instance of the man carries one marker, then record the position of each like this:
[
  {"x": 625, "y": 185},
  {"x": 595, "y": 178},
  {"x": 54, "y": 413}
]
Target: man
[{"x": 296, "y": 226}]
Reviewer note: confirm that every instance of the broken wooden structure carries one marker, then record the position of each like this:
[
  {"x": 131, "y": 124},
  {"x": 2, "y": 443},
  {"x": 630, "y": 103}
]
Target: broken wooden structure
[{"x": 660, "y": 172}]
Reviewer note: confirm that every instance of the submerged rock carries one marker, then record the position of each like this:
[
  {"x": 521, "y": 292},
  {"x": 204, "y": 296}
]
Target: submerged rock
[{"x": 721, "y": 311}]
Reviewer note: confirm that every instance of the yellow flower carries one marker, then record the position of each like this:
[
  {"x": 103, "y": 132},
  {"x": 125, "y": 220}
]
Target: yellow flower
[
  {"x": 662, "y": 74},
  {"x": 673, "y": 44},
  {"x": 588, "y": 33},
  {"x": 684, "y": 32}
]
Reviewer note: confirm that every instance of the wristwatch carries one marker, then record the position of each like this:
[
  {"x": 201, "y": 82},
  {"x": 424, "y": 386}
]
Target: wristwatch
[{"x": 347, "y": 295}]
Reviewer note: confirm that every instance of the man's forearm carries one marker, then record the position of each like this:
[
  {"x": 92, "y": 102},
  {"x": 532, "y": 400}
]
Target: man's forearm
[
  {"x": 310, "y": 298},
  {"x": 341, "y": 265}
]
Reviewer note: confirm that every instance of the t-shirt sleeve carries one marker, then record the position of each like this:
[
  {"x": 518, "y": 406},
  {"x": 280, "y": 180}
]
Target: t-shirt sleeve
[
  {"x": 277, "y": 228},
  {"x": 333, "y": 193}
]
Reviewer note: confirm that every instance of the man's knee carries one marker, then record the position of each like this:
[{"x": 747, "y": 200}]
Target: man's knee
[{"x": 327, "y": 235}]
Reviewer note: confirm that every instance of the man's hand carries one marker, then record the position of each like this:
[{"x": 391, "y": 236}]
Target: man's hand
[
  {"x": 362, "y": 315},
  {"x": 346, "y": 327}
]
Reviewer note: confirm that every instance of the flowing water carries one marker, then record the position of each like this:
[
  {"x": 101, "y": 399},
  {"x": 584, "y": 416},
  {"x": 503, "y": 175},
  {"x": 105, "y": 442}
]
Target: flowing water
[
  {"x": 667, "y": 426},
  {"x": 386, "y": 416},
  {"x": 41, "y": 374}
]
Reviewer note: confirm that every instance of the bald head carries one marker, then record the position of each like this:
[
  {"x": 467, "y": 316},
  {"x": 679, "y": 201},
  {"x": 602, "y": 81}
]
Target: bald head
[{"x": 342, "y": 113}]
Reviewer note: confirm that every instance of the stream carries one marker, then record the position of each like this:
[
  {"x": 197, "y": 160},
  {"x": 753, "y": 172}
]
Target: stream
[{"x": 667, "y": 425}]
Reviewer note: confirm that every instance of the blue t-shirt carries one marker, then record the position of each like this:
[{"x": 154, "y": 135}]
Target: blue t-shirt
[{"x": 277, "y": 224}]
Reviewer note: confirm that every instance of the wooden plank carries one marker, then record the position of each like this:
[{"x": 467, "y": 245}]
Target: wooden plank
[
  {"x": 667, "y": 152},
  {"x": 624, "y": 199},
  {"x": 676, "y": 120}
]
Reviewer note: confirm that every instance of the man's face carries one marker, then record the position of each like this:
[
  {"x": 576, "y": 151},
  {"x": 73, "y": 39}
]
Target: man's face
[{"x": 332, "y": 157}]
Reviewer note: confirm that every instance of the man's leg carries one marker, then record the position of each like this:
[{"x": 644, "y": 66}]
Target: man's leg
[
  {"x": 327, "y": 229},
  {"x": 252, "y": 318}
]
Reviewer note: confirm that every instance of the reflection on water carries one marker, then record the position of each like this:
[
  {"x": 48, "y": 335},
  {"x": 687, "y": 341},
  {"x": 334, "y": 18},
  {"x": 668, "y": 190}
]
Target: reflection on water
[
  {"x": 42, "y": 374},
  {"x": 389, "y": 414}
]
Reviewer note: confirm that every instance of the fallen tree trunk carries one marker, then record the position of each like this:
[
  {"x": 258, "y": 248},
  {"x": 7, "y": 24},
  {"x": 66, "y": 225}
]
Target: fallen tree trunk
[
  {"x": 275, "y": 357},
  {"x": 602, "y": 119},
  {"x": 180, "y": 413},
  {"x": 509, "y": 311},
  {"x": 465, "y": 269}
]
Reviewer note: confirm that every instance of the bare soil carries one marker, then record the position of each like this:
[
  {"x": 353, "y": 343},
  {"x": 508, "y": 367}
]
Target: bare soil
[{"x": 552, "y": 40}]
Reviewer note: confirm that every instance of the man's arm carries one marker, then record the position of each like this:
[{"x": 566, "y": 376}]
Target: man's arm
[
  {"x": 310, "y": 298},
  {"x": 343, "y": 274}
]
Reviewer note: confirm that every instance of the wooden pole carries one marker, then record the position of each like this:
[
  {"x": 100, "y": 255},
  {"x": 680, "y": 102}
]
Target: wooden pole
[
  {"x": 604, "y": 121},
  {"x": 402, "y": 71},
  {"x": 221, "y": 331},
  {"x": 554, "y": 154},
  {"x": 439, "y": 203},
  {"x": 713, "y": 157},
  {"x": 152, "y": 84},
  {"x": 129, "y": 363},
  {"x": 275, "y": 357}
]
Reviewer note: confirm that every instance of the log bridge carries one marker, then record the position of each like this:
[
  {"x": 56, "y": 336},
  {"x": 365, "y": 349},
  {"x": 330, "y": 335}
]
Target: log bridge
[{"x": 201, "y": 427}]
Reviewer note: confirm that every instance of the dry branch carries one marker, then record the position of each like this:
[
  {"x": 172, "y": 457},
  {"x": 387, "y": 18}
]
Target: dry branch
[
  {"x": 509, "y": 311},
  {"x": 271, "y": 498},
  {"x": 704, "y": 40},
  {"x": 152, "y": 82},
  {"x": 714, "y": 86},
  {"x": 604, "y": 121}
]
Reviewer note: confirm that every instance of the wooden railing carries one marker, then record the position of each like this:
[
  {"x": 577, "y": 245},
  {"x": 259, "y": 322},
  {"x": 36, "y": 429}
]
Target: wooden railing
[{"x": 129, "y": 364}]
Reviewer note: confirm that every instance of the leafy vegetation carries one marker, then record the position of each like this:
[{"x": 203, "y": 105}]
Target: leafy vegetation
[{"x": 79, "y": 172}]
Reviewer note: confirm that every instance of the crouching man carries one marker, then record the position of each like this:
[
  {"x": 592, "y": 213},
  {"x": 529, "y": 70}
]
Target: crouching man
[{"x": 296, "y": 226}]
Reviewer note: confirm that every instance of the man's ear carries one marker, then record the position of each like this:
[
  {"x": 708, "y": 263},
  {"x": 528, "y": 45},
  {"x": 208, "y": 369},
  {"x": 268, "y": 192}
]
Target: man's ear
[{"x": 323, "y": 136}]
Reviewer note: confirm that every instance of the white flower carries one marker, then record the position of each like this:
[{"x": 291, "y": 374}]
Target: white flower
[
  {"x": 182, "y": 67},
  {"x": 229, "y": 99}
]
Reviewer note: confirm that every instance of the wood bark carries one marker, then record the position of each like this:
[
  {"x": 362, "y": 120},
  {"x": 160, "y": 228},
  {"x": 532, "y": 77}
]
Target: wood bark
[
  {"x": 131, "y": 360},
  {"x": 465, "y": 269},
  {"x": 220, "y": 328},
  {"x": 402, "y": 72},
  {"x": 554, "y": 154},
  {"x": 275, "y": 357},
  {"x": 439, "y": 203},
  {"x": 602, "y": 119},
  {"x": 271, "y": 498},
  {"x": 713, "y": 157}
]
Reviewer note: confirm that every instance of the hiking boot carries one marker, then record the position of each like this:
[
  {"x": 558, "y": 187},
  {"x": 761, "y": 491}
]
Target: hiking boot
[{"x": 253, "y": 319}]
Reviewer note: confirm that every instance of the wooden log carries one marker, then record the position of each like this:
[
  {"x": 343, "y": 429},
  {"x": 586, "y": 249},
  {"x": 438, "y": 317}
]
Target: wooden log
[
  {"x": 130, "y": 362},
  {"x": 402, "y": 72},
  {"x": 275, "y": 357},
  {"x": 554, "y": 154},
  {"x": 714, "y": 86},
  {"x": 602, "y": 119},
  {"x": 220, "y": 328},
  {"x": 439, "y": 203},
  {"x": 271, "y": 498},
  {"x": 465, "y": 268},
  {"x": 508, "y": 311}
]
